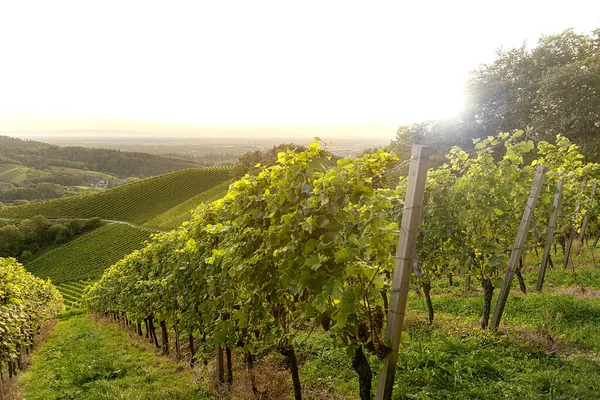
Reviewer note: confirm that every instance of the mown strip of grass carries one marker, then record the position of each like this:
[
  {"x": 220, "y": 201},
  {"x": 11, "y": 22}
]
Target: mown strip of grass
[
  {"x": 570, "y": 318},
  {"x": 86, "y": 360}
]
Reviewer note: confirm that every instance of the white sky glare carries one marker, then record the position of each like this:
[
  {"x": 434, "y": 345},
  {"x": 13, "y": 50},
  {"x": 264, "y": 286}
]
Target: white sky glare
[{"x": 122, "y": 64}]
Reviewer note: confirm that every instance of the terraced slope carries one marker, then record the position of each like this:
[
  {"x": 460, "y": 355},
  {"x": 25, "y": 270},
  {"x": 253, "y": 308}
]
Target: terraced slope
[
  {"x": 89, "y": 255},
  {"x": 136, "y": 202},
  {"x": 173, "y": 218},
  {"x": 73, "y": 291}
]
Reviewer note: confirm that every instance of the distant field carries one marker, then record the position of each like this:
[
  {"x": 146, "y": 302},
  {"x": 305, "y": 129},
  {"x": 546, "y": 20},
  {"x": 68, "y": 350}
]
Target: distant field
[
  {"x": 13, "y": 173},
  {"x": 87, "y": 256},
  {"x": 82, "y": 171},
  {"x": 136, "y": 202},
  {"x": 7, "y": 167},
  {"x": 174, "y": 217}
]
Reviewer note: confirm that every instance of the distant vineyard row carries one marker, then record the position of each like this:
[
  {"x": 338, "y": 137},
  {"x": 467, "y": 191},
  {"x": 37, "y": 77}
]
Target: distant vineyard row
[
  {"x": 137, "y": 202},
  {"x": 72, "y": 291}
]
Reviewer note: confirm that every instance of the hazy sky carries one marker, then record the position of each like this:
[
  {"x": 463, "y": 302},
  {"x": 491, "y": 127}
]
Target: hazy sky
[{"x": 168, "y": 65}]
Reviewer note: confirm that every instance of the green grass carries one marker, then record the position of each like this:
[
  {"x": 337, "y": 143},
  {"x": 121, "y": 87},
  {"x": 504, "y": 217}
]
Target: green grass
[
  {"x": 560, "y": 277},
  {"x": 326, "y": 368},
  {"x": 13, "y": 173},
  {"x": 454, "y": 359},
  {"x": 575, "y": 321},
  {"x": 437, "y": 365},
  {"x": 85, "y": 360},
  {"x": 136, "y": 202},
  {"x": 7, "y": 167},
  {"x": 87, "y": 256},
  {"x": 82, "y": 171},
  {"x": 174, "y": 217}
]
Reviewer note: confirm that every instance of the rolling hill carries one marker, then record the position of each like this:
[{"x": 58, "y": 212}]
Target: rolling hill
[
  {"x": 136, "y": 202},
  {"x": 159, "y": 203},
  {"x": 39, "y": 155},
  {"x": 175, "y": 216},
  {"x": 87, "y": 256}
]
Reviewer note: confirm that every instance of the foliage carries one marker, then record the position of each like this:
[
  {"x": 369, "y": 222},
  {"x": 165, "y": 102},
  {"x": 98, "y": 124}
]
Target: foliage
[
  {"x": 72, "y": 291},
  {"x": 26, "y": 302},
  {"x": 251, "y": 162},
  {"x": 24, "y": 238},
  {"x": 552, "y": 88},
  {"x": 299, "y": 243},
  {"x": 136, "y": 202}
]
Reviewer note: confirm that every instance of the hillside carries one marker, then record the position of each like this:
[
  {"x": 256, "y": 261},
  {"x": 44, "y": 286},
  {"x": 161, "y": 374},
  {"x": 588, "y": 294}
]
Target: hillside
[
  {"x": 136, "y": 202},
  {"x": 89, "y": 255},
  {"x": 174, "y": 217},
  {"x": 123, "y": 164}
]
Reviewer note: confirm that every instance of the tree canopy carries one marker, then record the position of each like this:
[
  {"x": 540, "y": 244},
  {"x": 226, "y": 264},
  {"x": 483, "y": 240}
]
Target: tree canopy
[{"x": 553, "y": 88}]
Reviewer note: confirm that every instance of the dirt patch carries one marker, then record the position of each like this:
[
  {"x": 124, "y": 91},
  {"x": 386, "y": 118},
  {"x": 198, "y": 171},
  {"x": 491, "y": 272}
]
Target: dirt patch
[{"x": 574, "y": 291}]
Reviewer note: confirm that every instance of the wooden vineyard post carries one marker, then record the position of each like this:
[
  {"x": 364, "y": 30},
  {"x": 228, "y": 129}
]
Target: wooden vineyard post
[
  {"x": 571, "y": 237},
  {"x": 220, "y": 364},
  {"x": 411, "y": 217},
  {"x": 515, "y": 255},
  {"x": 549, "y": 235},
  {"x": 586, "y": 218}
]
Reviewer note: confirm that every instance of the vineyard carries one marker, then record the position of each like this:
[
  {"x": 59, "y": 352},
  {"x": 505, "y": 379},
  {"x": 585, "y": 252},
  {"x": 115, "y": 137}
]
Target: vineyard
[
  {"x": 26, "y": 302},
  {"x": 87, "y": 256},
  {"x": 72, "y": 291},
  {"x": 136, "y": 202},
  {"x": 174, "y": 217},
  {"x": 307, "y": 246}
]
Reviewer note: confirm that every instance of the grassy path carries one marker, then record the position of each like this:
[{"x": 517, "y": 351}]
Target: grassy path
[{"x": 83, "y": 359}]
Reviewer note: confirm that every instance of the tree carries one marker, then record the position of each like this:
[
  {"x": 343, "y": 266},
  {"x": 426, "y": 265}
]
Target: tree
[
  {"x": 553, "y": 88},
  {"x": 11, "y": 241}
]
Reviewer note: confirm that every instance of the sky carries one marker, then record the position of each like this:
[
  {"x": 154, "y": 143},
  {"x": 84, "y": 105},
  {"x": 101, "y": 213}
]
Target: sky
[{"x": 167, "y": 66}]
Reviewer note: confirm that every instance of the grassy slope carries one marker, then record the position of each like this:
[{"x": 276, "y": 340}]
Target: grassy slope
[
  {"x": 137, "y": 202},
  {"x": 88, "y": 255},
  {"x": 14, "y": 173},
  {"x": 85, "y": 360},
  {"x": 174, "y": 217},
  {"x": 81, "y": 171},
  {"x": 7, "y": 167}
]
